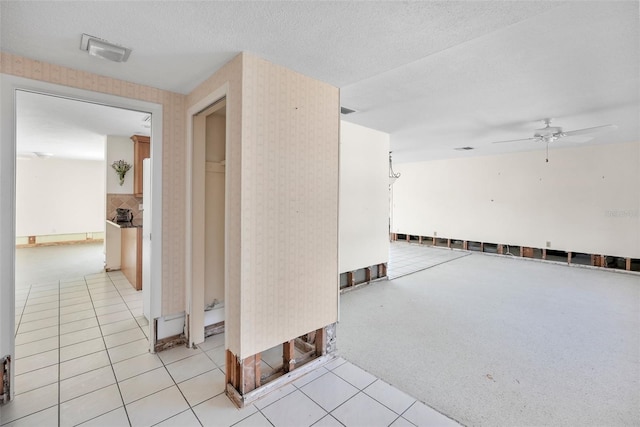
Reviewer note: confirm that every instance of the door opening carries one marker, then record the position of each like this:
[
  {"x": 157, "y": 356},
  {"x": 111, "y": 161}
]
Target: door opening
[
  {"x": 11, "y": 87},
  {"x": 215, "y": 137}
]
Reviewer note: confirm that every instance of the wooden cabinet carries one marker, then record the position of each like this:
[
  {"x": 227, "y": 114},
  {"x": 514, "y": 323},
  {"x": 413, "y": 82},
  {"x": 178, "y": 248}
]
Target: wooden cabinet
[
  {"x": 131, "y": 255},
  {"x": 141, "y": 150}
]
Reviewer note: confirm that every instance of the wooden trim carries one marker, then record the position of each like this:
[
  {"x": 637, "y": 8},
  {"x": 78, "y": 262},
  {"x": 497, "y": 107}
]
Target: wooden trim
[
  {"x": 249, "y": 379},
  {"x": 407, "y": 237},
  {"x": 288, "y": 356},
  {"x": 382, "y": 270},
  {"x": 258, "y": 369},
  {"x": 569, "y": 255},
  {"x": 250, "y": 397},
  {"x": 367, "y": 274},
  {"x": 231, "y": 369},
  {"x": 465, "y": 245},
  {"x": 420, "y": 239},
  {"x": 628, "y": 264},
  {"x": 603, "y": 261},
  {"x": 321, "y": 342},
  {"x": 243, "y": 377},
  {"x": 544, "y": 253},
  {"x": 351, "y": 278},
  {"x": 141, "y": 151},
  {"x": 500, "y": 249},
  {"x": 481, "y": 246},
  {"x": 449, "y": 243}
]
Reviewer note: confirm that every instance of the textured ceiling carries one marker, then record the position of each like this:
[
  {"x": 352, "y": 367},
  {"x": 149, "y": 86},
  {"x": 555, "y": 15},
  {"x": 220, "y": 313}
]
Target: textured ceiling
[
  {"x": 436, "y": 75},
  {"x": 70, "y": 129}
]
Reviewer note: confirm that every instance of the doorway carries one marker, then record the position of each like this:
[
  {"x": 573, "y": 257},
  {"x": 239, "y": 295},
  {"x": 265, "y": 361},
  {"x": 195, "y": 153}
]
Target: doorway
[
  {"x": 10, "y": 86},
  {"x": 207, "y": 302}
]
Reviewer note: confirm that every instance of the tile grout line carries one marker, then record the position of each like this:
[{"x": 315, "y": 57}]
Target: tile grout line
[
  {"x": 108, "y": 355},
  {"x": 15, "y": 333},
  {"x": 59, "y": 357}
]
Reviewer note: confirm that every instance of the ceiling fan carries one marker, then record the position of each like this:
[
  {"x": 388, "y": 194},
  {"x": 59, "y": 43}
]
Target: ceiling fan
[{"x": 550, "y": 133}]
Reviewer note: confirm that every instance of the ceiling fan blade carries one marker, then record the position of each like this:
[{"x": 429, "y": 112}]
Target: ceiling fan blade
[
  {"x": 515, "y": 140},
  {"x": 589, "y": 130}
]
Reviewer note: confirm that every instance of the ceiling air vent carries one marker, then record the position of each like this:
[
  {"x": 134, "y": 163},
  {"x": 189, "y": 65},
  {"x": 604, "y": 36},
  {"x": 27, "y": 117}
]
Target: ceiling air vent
[
  {"x": 345, "y": 110},
  {"x": 464, "y": 148}
]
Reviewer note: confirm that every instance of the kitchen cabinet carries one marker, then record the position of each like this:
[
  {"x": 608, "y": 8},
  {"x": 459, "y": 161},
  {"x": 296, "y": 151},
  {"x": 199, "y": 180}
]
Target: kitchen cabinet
[
  {"x": 131, "y": 255},
  {"x": 141, "y": 151}
]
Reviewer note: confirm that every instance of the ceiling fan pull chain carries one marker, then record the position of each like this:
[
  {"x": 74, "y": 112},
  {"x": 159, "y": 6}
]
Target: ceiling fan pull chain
[{"x": 547, "y": 159}]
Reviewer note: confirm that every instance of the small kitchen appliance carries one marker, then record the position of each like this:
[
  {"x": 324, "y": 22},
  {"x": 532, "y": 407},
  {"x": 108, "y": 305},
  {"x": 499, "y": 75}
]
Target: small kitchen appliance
[{"x": 123, "y": 215}]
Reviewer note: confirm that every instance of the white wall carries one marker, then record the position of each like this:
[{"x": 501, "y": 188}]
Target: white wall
[
  {"x": 119, "y": 148},
  {"x": 59, "y": 196},
  {"x": 584, "y": 200},
  {"x": 364, "y": 197}
]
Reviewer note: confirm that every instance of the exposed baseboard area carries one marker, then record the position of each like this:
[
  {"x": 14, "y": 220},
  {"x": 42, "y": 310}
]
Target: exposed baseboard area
[
  {"x": 354, "y": 279},
  {"x": 543, "y": 254},
  {"x": 59, "y": 239}
]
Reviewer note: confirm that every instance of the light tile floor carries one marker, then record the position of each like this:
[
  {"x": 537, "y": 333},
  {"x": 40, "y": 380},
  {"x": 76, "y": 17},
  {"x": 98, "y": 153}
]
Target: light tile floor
[
  {"x": 82, "y": 359},
  {"x": 406, "y": 258}
]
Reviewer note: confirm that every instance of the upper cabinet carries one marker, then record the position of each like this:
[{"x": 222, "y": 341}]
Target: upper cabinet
[{"x": 141, "y": 150}]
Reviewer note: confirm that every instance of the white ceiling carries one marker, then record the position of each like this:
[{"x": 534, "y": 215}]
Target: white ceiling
[
  {"x": 436, "y": 75},
  {"x": 71, "y": 129}
]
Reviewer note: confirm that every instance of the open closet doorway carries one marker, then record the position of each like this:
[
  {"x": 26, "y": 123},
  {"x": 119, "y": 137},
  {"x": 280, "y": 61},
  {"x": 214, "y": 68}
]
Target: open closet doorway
[{"x": 208, "y": 233}]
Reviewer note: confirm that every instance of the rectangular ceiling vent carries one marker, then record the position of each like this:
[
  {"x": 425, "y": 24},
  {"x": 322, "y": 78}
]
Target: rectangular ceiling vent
[
  {"x": 464, "y": 148},
  {"x": 345, "y": 110}
]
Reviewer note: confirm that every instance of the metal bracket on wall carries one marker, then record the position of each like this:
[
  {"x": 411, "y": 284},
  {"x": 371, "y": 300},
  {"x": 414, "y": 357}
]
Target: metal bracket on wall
[{"x": 5, "y": 365}]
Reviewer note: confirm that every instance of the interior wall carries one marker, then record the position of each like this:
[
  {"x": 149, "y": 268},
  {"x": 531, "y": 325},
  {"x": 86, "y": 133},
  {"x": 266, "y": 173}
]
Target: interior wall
[
  {"x": 364, "y": 197},
  {"x": 290, "y": 167},
  {"x": 584, "y": 199},
  {"x": 59, "y": 196},
  {"x": 229, "y": 78},
  {"x": 173, "y": 156},
  {"x": 281, "y": 202},
  {"x": 118, "y": 148}
]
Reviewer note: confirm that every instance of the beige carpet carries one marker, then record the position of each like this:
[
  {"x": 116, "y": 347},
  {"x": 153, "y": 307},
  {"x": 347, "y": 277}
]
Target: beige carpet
[{"x": 498, "y": 341}]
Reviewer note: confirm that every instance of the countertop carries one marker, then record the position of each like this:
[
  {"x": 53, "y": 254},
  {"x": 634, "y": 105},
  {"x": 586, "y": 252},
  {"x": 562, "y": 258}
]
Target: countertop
[{"x": 128, "y": 224}]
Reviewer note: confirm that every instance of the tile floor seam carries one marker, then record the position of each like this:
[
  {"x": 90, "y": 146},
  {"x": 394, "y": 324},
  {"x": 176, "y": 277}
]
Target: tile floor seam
[
  {"x": 22, "y": 312},
  {"x": 110, "y": 362},
  {"x": 59, "y": 356},
  {"x": 261, "y": 413},
  {"x": 322, "y": 407},
  {"x": 29, "y": 414},
  {"x": 392, "y": 410}
]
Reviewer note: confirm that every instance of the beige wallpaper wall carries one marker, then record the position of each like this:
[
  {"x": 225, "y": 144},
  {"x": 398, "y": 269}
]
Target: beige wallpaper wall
[
  {"x": 282, "y": 206},
  {"x": 230, "y": 74},
  {"x": 290, "y": 160},
  {"x": 173, "y": 158}
]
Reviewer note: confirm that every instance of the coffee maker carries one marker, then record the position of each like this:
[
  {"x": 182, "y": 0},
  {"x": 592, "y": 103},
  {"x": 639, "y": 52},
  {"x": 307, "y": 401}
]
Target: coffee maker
[{"x": 123, "y": 215}]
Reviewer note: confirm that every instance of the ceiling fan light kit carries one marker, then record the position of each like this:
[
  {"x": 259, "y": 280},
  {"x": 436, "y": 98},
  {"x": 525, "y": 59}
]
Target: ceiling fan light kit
[
  {"x": 553, "y": 133},
  {"x": 550, "y": 133}
]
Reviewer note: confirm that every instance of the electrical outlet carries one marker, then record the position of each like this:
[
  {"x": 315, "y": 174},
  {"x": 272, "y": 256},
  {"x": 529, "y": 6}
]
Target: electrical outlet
[{"x": 548, "y": 244}]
